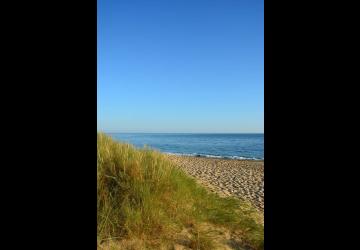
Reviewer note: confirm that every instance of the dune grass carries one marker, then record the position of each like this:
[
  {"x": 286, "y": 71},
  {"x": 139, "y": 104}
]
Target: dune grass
[{"x": 142, "y": 197}]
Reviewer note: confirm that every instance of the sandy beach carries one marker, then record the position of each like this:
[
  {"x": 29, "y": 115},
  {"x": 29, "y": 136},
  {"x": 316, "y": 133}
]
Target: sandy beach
[{"x": 243, "y": 179}]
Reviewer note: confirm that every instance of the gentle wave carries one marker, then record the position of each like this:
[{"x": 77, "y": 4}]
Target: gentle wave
[
  {"x": 221, "y": 146},
  {"x": 215, "y": 156}
]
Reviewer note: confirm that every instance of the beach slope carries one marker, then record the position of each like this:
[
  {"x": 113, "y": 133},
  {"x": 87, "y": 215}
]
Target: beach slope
[{"x": 243, "y": 179}]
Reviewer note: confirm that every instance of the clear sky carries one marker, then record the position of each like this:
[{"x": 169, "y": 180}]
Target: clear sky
[{"x": 180, "y": 66}]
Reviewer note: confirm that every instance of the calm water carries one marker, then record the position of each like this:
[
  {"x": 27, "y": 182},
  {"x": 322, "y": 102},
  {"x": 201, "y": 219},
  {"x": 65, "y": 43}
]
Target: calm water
[{"x": 236, "y": 146}]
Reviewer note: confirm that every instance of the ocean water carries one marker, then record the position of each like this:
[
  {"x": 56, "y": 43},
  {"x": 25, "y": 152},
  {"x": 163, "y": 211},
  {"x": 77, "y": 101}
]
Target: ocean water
[{"x": 232, "y": 146}]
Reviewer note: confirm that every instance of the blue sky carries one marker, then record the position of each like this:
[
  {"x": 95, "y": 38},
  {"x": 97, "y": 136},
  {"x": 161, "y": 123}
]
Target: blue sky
[{"x": 180, "y": 66}]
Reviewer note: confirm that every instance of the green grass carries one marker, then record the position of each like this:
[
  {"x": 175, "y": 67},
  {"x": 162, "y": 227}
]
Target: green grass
[{"x": 143, "y": 196}]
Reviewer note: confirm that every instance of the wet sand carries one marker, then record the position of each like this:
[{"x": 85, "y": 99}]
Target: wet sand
[{"x": 243, "y": 179}]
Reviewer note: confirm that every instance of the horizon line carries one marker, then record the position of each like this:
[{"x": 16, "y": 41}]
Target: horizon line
[{"x": 142, "y": 132}]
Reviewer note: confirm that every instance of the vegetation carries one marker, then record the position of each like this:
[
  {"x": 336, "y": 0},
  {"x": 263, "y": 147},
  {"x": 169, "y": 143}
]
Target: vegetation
[{"x": 145, "y": 202}]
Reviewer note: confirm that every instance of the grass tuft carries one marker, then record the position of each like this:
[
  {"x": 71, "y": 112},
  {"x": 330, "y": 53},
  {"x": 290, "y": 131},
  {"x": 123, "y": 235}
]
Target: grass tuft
[{"x": 143, "y": 196}]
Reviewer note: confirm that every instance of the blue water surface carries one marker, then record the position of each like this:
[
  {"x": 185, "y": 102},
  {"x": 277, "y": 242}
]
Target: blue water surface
[{"x": 234, "y": 146}]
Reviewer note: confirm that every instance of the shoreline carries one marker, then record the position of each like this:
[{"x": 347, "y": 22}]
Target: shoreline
[
  {"x": 240, "y": 178},
  {"x": 236, "y": 158}
]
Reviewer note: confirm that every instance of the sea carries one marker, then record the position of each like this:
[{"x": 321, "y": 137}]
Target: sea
[{"x": 227, "y": 146}]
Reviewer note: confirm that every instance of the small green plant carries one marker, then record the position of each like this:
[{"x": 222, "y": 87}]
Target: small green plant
[{"x": 143, "y": 196}]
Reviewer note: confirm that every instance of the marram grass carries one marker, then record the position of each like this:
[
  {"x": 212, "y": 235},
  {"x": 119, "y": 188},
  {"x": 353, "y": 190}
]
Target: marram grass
[{"x": 143, "y": 198}]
